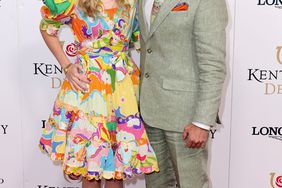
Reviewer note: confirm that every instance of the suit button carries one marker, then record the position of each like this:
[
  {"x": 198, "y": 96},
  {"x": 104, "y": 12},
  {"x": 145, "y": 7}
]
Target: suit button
[
  {"x": 149, "y": 51},
  {"x": 147, "y": 75}
]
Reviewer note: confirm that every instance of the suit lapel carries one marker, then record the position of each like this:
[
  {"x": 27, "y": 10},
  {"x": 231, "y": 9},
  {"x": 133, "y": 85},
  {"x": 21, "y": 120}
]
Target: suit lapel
[
  {"x": 164, "y": 11},
  {"x": 142, "y": 23}
]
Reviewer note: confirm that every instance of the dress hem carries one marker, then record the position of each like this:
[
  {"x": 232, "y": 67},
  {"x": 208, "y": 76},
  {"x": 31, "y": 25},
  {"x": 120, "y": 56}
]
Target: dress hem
[{"x": 107, "y": 175}]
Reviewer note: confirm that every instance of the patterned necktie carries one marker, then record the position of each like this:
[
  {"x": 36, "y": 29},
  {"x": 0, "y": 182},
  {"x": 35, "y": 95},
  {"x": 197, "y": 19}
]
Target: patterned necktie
[{"x": 156, "y": 8}]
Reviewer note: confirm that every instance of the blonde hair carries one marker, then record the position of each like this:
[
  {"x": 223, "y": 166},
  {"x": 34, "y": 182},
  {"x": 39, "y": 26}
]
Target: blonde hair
[{"x": 92, "y": 8}]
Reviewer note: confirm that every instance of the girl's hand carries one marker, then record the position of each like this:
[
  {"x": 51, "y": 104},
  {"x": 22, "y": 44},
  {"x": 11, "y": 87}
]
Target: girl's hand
[{"x": 77, "y": 78}]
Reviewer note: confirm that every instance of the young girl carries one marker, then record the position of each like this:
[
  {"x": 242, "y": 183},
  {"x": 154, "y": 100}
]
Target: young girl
[{"x": 95, "y": 128}]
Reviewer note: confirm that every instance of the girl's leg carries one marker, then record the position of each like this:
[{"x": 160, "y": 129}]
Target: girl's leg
[
  {"x": 114, "y": 184},
  {"x": 91, "y": 183}
]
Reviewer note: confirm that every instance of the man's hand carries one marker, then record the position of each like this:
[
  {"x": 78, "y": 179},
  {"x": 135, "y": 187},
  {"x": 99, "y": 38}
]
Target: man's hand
[{"x": 197, "y": 137}]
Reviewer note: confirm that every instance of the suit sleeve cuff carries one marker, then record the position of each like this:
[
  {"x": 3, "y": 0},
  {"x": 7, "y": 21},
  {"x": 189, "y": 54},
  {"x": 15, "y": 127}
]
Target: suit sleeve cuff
[{"x": 201, "y": 125}]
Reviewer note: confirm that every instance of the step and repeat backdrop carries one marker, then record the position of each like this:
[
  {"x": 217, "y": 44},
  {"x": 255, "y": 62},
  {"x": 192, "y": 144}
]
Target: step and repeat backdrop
[{"x": 245, "y": 151}]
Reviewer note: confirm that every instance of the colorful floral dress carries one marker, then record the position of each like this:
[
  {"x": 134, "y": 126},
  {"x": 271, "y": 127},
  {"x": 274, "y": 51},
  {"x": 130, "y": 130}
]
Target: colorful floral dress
[{"x": 99, "y": 133}]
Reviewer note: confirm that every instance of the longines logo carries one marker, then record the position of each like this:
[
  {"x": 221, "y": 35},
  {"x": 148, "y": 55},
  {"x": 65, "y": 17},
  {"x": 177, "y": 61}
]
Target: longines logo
[
  {"x": 270, "y": 78},
  {"x": 3, "y": 128},
  {"x": 275, "y": 180},
  {"x": 48, "y": 186},
  {"x": 275, "y": 3},
  {"x": 271, "y": 132}
]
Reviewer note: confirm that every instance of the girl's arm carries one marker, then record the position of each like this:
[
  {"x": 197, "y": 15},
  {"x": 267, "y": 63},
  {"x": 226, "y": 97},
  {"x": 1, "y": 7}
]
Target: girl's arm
[{"x": 74, "y": 72}]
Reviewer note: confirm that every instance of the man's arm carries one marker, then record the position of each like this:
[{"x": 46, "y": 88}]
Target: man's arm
[
  {"x": 210, "y": 38},
  {"x": 210, "y": 46}
]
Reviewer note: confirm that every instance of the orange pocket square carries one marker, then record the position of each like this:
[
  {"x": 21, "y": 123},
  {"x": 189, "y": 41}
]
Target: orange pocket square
[{"x": 181, "y": 7}]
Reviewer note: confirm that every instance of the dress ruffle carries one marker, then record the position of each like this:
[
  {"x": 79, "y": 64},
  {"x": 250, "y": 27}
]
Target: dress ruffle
[{"x": 99, "y": 148}]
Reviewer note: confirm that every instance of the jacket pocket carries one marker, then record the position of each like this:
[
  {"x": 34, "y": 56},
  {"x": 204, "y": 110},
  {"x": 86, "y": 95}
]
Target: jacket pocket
[{"x": 179, "y": 85}]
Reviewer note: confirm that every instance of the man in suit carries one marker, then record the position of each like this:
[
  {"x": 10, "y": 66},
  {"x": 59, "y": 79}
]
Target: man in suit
[{"x": 183, "y": 71}]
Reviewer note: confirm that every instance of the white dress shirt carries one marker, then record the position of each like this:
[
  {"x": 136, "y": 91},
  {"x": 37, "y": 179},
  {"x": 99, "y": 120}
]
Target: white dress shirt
[{"x": 147, "y": 9}]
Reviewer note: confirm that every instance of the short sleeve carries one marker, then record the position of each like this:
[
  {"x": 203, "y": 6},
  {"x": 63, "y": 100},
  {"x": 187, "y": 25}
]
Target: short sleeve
[{"x": 56, "y": 13}]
